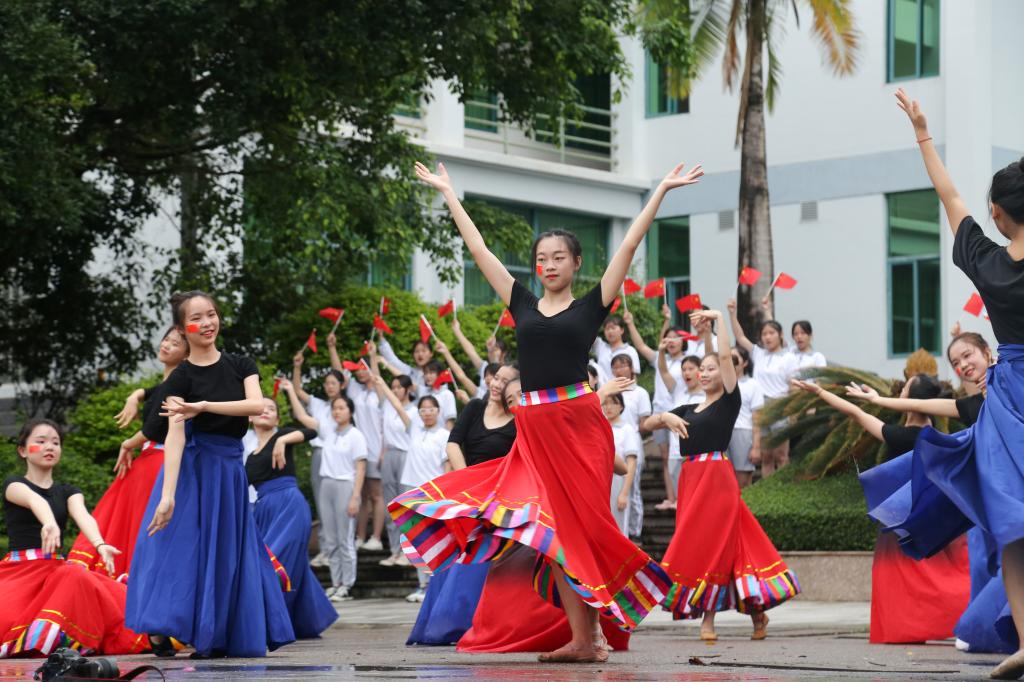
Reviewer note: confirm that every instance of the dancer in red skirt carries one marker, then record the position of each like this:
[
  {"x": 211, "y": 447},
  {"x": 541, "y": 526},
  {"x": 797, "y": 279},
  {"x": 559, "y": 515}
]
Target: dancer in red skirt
[
  {"x": 48, "y": 602},
  {"x": 719, "y": 557},
  {"x": 119, "y": 512},
  {"x": 551, "y": 491}
]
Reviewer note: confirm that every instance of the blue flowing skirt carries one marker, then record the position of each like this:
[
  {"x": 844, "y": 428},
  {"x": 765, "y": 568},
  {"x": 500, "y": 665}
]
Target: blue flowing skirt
[
  {"x": 206, "y": 579},
  {"x": 283, "y": 519},
  {"x": 951, "y": 483},
  {"x": 452, "y": 598}
]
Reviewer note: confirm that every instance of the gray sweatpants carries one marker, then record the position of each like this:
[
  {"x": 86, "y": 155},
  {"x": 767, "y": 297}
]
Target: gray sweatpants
[
  {"x": 339, "y": 530},
  {"x": 636, "y": 501},
  {"x": 391, "y": 481},
  {"x": 314, "y": 481}
]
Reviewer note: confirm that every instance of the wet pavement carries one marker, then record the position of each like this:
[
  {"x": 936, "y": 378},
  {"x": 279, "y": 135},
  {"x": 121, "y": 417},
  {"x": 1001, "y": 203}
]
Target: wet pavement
[{"x": 807, "y": 641}]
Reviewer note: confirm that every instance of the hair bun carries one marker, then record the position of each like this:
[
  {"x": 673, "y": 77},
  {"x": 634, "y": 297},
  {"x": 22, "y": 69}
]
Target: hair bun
[{"x": 1020, "y": 164}]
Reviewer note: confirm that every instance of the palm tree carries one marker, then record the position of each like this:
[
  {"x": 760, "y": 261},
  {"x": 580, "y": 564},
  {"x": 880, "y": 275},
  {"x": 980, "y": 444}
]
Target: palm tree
[{"x": 717, "y": 25}]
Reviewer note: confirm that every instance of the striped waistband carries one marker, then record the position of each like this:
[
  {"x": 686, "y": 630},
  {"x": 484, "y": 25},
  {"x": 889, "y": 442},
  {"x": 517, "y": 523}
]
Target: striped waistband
[
  {"x": 555, "y": 395},
  {"x": 30, "y": 555},
  {"x": 151, "y": 445},
  {"x": 706, "y": 457}
]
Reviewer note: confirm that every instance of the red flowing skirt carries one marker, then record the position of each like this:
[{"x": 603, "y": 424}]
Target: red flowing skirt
[
  {"x": 119, "y": 513},
  {"x": 720, "y": 558},
  {"x": 49, "y": 603},
  {"x": 550, "y": 493},
  {"x": 915, "y": 601},
  {"x": 533, "y": 625}
]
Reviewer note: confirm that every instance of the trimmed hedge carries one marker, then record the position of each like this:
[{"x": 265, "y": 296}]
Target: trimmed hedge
[{"x": 825, "y": 514}]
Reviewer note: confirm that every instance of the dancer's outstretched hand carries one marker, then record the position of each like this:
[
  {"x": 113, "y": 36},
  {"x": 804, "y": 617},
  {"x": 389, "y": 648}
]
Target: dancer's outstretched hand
[
  {"x": 912, "y": 109},
  {"x": 862, "y": 392},
  {"x": 180, "y": 410},
  {"x": 439, "y": 180},
  {"x": 674, "y": 179},
  {"x": 277, "y": 458},
  {"x": 128, "y": 413},
  {"x": 675, "y": 424},
  {"x": 162, "y": 515},
  {"x": 107, "y": 553},
  {"x": 49, "y": 536},
  {"x": 124, "y": 459},
  {"x": 614, "y": 386},
  {"x": 806, "y": 386}
]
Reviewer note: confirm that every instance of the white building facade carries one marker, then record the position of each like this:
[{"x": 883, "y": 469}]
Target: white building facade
[{"x": 854, "y": 218}]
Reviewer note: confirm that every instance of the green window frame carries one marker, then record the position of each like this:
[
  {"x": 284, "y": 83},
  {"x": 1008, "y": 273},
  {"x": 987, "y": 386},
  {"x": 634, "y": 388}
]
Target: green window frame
[
  {"x": 385, "y": 272},
  {"x": 912, "y": 39},
  {"x": 659, "y": 101},
  {"x": 593, "y": 232},
  {"x": 914, "y": 272},
  {"x": 481, "y": 111},
  {"x": 668, "y": 256}
]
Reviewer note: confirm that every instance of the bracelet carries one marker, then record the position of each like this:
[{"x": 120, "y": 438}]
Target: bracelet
[
  {"x": 924, "y": 139},
  {"x": 97, "y": 546}
]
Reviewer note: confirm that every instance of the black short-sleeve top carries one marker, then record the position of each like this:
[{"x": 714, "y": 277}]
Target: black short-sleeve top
[
  {"x": 969, "y": 408},
  {"x": 553, "y": 351},
  {"x": 479, "y": 443},
  {"x": 154, "y": 427},
  {"x": 23, "y": 528},
  {"x": 259, "y": 466},
  {"x": 998, "y": 278},
  {"x": 710, "y": 429},
  {"x": 223, "y": 381},
  {"x": 899, "y": 439}
]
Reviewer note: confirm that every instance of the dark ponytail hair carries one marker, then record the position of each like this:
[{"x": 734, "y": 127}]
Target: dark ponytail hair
[
  {"x": 32, "y": 424},
  {"x": 1007, "y": 190},
  {"x": 745, "y": 355},
  {"x": 178, "y": 300},
  {"x": 924, "y": 387},
  {"x": 405, "y": 382},
  {"x": 569, "y": 238}
]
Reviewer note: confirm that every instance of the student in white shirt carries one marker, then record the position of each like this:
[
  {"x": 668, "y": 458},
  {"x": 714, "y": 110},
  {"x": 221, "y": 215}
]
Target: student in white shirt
[
  {"x": 685, "y": 390},
  {"x": 368, "y": 416},
  {"x": 745, "y": 445},
  {"x": 803, "y": 334},
  {"x": 612, "y": 345},
  {"x": 422, "y": 353},
  {"x": 637, "y": 408},
  {"x": 774, "y": 366},
  {"x": 445, "y": 398},
  {"x": 343, "y": 469},
  {"x": 629, "y": 447}
]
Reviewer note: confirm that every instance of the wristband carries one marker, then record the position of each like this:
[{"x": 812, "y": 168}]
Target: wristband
[{"x": 924, "y": 139}]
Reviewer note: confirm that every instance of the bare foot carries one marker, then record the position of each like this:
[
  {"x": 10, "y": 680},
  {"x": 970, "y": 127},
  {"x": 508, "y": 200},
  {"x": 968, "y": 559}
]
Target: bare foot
[
  {"x": 600, "y": 642},
  {"x": 708, "y": 634},
  {"x": 663, "y": 505},
  {"x": 573, "y": 654},
  {"x": 760, "y": 622},
  {"x": 1011, "y": 668}
]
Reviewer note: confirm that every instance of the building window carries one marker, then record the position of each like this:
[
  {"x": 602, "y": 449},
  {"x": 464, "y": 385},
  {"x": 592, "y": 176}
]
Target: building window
[
  {"x": 913, "y": 39},
  {"x": 384, "y": 272},
  {"x": 668, "y": 256},
  {"x": 660, "y": 100},
  {"x": 914, "y": 272},
  {"x": 481, "y": 111},
  {"x": 591, "y": 230}
]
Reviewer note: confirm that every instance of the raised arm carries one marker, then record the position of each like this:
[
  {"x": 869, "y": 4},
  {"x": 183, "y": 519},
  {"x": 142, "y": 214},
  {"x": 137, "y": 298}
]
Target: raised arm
[
  {"x": 666, "y": 375},
  {"x": 618, "y": 266},
  {"x": 23, "y": 496},
  {"x": 645, "y": 351},
  {"x": 453, "y": 364},
  {"x": 936, "y": 407},
  {"x": 741, "y": 339},
  {"x": 871, "y": 423},
  {"x": 493, "y": 269},
  {"x": 332, "y": 351},
  {"x": 725, "y": 366},
  {"x": 394, "y": 364},
  {"x": 298, "y": 410},
  {"x": 384, "y": 391},
  {"x": 467, "y": 346},
  {"x": 956, "y": 209},
  {"x": 297, "y": 361}
]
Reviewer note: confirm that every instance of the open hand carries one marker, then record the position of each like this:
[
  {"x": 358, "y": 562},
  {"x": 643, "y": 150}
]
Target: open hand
[
  {"x": 862, "y": 392},
  {"x": 616, "y": 385},
  {"x": 806, "y": 386},
  {"x": 124, "y": 459},
  {"x": 162, "y": 515},
  {"x": 675, "y": 424},
  {"x": 128, "y": 413},
  {"x": 107, "y": 553},
  {"x": 180, "y": 410},
  {"x": 701, "y": 318},
  {"x": 439, "y": 180},
  {"x": 674, "y": 179},
  {"x": 49, "y": 536},
  {"x": 913, "y": 111}
]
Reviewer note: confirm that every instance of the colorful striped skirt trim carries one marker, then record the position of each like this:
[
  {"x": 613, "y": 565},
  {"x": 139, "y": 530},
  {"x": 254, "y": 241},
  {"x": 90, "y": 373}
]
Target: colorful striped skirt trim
[
  {"x": 707, "y": 457},
  {"x": 746, "y": 593},
  {"x": 555, "y": 395},
  {"x": 30, "y": 555}
]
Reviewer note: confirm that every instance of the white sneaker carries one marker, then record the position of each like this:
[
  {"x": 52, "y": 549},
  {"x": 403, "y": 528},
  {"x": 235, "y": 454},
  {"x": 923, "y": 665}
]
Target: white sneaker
[
  {"x": 320, "y": 561},
  {"x": 417, "y": 597},
  {"x": 359, "y": 543},
  {"x": 330, "y": 591},
  {"x": 961, "y": 645},
  {"x": 390, "y": 561},
  {"x": 373, "y": 545},
  {"x": 341, "y": 594},
  {"x": 402, "y": 560}
]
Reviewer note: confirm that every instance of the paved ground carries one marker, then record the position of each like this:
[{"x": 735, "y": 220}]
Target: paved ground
[{"x": 807, "y": 641}]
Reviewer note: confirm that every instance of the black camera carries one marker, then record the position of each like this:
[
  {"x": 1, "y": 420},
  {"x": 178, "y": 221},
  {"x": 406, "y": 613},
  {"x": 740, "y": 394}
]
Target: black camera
[{"x": 68, "y": 664}]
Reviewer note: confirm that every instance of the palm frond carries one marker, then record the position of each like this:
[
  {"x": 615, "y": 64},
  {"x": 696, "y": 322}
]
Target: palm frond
[
  {"x": 833, "y": 25},
  {"x": 731, "y": 57}
]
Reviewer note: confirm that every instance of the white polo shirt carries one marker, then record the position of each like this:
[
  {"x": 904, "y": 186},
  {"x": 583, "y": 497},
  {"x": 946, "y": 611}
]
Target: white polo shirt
[
  {"x": 773, "y": 370},
  {"x": 425, "y": 460},
  {"x": 751, "y": 399},
  {"x": 340, "y": 453}
]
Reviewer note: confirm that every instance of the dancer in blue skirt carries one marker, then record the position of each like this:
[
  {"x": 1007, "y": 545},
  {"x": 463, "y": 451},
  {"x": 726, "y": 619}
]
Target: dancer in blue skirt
[
  {"x": 282, "y": 513},
  {"x": 201, "y": 573},
  {"x": 981, "y": 470}
]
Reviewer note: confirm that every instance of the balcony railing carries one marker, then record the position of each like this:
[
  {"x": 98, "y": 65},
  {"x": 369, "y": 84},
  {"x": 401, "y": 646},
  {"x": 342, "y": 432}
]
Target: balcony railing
[{"x": 589, "y": 142}]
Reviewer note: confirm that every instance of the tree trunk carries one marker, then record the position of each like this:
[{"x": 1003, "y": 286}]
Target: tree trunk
[
  {"x": 755, "y": 228},
  {"x": 189, "y": 256}
]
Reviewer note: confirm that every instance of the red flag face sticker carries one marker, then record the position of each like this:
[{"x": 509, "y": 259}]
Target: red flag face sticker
[
  {"x": 192, "y": 328},
  {"x": 32, "y": 449},
  {"x": 540, "y": 270}
]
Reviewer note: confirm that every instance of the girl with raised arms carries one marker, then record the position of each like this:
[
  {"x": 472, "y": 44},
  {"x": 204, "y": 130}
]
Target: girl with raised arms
[{"x": 551, "y": 491}]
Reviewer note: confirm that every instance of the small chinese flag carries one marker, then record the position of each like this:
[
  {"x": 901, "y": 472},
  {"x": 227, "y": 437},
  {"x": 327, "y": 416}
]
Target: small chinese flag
[
  {"x": 540, "y": 270},
  {"x": 784, "y": 281},
  {"x": 687, "y": 336},
  {"x": 749, "y": 276},
  {"x": 630, "y": 287},
  {"x": 381, "y": 325},
  {"x": 332, "y": 314},
  {"x": 311, "y": 341},
  {"x": 385, "y": 305},
  {"x": 353, "y": 366},
  {"x": 688, "y": 303},
  {"x": 366, "y": 349},
  {"x": 425, "y": 331},
  {"x": 444, "y": 377},
  {"x": 192, "y": 328},
  {"x": 974, "y": 305},
  {"x": 506, "y": 319},
  {"x": 446, "y": 309},
  {"x": 277, "y": 386},
  {"x": 616, "y": 303},
  {"x": 655, "y": 288}
]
